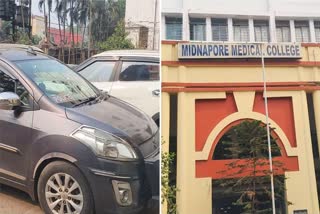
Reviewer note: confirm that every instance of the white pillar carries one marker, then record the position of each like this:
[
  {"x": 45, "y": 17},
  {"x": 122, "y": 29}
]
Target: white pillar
[
  {"x": 165, "y": 131},
  {"x": 312, "y": 31},
  {"x": 183, "y": 156},
  {"x": 230, "y": 30},
  {"x": 272, "y": 28},
  {"x": 163, "y": 28},
  {"x": 292, "y": 31},
  {"x": 208, "y": 29},
  {"x": 251, "y": 30},
  {"x": 185, "y": 26}
]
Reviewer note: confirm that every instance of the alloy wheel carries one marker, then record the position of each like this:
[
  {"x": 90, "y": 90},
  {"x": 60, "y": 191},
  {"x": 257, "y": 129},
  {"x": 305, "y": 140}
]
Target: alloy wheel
[{"x": 63, "y": 194}]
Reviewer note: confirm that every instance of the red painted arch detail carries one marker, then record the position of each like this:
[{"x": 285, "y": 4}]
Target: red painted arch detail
[
  {"x": 214, "y": 168},
  {"x": 211, "y": 111},
  {"x": 234, "y": 123},
  {"x": 281, "y": 112}
]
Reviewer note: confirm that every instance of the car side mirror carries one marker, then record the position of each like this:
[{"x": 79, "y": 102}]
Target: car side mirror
[{"x": 9, "y": 101}]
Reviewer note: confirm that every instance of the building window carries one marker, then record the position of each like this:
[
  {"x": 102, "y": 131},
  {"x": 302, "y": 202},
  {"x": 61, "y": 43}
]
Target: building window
[
  {"x": 302, "y": 31},
  {"x": 197, "y": 29},
  {"x": 241, "y": 30},
  {"x": 261, "y": 31},
  {"x": 317, "y": 30},
  {"x": 283, "y": 31},
  {"x": 173, "y": 28},
  {"x": 219, "y": 29},
  {"x": 143, "y": 37}
]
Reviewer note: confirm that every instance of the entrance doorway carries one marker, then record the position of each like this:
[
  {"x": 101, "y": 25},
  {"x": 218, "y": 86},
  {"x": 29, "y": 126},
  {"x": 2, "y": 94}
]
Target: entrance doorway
[{"x": 244, "y": 184}]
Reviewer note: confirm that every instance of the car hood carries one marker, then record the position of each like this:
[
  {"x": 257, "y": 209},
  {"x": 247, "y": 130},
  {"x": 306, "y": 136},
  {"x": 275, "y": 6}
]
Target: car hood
[{"x": 117, "y": 117}]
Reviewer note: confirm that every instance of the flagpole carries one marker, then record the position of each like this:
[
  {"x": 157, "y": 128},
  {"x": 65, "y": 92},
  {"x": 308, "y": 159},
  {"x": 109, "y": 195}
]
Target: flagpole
[{"x": 268, "y": 127}]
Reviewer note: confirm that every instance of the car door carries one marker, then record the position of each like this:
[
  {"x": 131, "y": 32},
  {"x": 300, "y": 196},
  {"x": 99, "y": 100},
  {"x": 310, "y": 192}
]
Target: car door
[
  {"x": 138, "y": 84},
  {"x": 100, "y": 73},
  {"x": 15, "y": 131}
]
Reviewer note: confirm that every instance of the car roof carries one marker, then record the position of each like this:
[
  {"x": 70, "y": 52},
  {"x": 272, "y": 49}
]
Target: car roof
[
  {"x": 19, "y": 46},
  {"x": 15, "y": 52},
  {"x": 129, "y": 53}
]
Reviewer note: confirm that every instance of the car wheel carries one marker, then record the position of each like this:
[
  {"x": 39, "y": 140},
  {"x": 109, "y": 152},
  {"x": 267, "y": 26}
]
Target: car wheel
[{"x": 62, "y": 189}]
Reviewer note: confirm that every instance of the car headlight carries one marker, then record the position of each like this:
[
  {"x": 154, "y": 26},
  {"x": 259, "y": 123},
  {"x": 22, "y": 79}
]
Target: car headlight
[{"x": 105, "y": 144}]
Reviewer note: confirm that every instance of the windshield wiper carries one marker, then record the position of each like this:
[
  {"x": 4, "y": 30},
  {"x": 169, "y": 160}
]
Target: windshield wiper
[{"x": 85, "y": 101}]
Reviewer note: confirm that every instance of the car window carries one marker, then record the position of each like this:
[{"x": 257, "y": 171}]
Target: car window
[
  {"x": 99, "y": 71},
  {"x": 139, "y": 71},
  {"x": 62, "y": 85},
  {"x": 8, "y": 84}
]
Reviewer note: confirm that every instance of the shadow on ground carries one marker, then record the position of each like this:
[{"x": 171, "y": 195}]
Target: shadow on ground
[{"x": 14, "y": 201}]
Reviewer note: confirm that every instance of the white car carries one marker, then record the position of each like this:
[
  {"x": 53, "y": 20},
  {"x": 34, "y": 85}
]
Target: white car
[{"x": 130, "y": 75}]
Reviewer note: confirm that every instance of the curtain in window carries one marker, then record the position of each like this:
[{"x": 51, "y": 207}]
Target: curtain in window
[
  {"x": 197, "y": 29},
  {"x": 219, "y": 29},
  {"x": 173, "y": 28},
  {"x": 261, "y": 31},
  {"x": 317, "y": 30},
  {"x": 241, "y": 30},
  {"x": 283, "y": 31},
  {"x": 302, "y": 31}
]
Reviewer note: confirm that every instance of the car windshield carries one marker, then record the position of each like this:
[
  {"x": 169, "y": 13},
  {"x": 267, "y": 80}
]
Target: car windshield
[{"x": 62, "y": 85}]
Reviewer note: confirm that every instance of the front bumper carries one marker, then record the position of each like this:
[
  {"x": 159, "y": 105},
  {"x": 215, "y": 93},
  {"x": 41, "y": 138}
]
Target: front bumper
[
  {"x": 100, "y": 182},
  {"x": 153, "y": 178}
]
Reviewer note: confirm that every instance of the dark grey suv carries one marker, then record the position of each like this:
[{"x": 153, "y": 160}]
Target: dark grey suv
[{"x": 72, "y": 147}]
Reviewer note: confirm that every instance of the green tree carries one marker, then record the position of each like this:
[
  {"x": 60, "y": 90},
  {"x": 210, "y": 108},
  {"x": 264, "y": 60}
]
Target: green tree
[
  {"x": 106, "y": 15},
  {"x": 168, "y": 190},
  {"x": 83, "y": 17},
  {"x": 61, "y": 11},
  {"x": 35, "y": 39},
  {"x": 104, "y": 18},
  {"x": 42, "y": 7},
  {"x": 248, "y": 174},
  {"x": 118, "y": 40},
  {"x": 5, "y": 31},
  {"x": 22, "y": 37}
]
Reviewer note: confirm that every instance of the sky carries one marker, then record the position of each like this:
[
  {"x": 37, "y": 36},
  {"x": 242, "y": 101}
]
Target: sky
[{"x": 35, "y": 11}]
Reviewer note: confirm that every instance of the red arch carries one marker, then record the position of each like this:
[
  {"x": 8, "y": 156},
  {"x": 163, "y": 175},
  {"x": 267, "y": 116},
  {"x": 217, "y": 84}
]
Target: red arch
[
  {"x": 213, "y": 168},
  {"x": 234, "y": 123}
]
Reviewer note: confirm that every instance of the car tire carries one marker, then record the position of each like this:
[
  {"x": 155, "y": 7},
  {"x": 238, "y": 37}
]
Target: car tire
[{"x": 63, "y": 186}]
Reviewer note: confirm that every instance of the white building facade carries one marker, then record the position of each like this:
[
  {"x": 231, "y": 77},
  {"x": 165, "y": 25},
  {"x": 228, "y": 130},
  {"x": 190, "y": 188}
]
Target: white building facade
[
  {"x": 143, "y": 23},
  {"x": 241, "y": 21}
]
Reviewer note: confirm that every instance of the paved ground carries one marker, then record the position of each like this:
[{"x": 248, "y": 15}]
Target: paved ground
[{"x": 13, "y": 201}]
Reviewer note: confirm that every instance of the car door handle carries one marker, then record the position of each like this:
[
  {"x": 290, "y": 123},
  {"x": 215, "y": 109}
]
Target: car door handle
[{"x": 156, "y": 92}]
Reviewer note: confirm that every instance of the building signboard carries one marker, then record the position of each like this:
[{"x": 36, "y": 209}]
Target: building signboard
[{"x": 211, "y": 50}]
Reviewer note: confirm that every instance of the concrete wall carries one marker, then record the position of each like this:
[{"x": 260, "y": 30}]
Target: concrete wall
[
  {"x": 270, "y": 10},
  {"x": 307, "y": 8},
  {"x": 38, "y": 27},
  {"x": 142, "y": 13},
  {"x": 295, "y": 8}
]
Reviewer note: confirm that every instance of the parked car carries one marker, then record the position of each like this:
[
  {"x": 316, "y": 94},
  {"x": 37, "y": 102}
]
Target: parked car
[
  {"x": 72, "y": 65},
  {"x": 67, "y": 144},
  {"x": 131, "y": 75}
]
